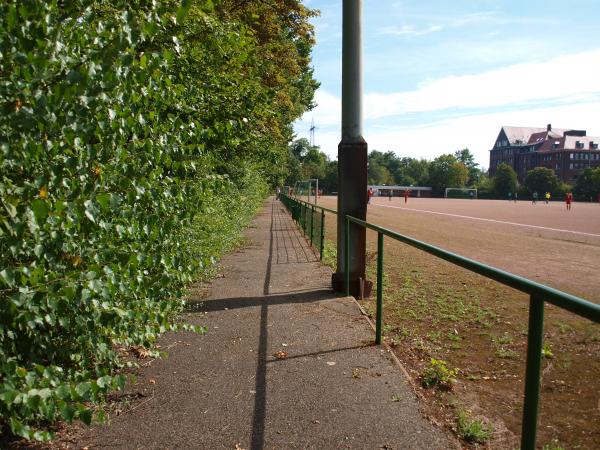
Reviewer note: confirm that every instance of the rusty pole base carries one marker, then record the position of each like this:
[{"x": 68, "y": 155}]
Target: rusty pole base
[{"x": 339, "y": 285}]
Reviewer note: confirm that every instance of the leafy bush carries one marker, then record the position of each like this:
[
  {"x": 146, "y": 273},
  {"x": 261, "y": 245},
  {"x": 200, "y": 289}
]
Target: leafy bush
[
  {"x": 438, "y": 374},
  {"x": 132, "y": 152}
]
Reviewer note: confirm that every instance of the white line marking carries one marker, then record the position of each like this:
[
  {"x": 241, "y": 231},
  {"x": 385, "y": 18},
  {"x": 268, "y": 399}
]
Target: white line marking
[{"x": 488, "y": 220}]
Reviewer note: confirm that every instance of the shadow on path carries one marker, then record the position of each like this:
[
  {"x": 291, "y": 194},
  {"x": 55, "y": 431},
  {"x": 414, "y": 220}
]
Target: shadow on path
[{"x": 260, "y": 402}]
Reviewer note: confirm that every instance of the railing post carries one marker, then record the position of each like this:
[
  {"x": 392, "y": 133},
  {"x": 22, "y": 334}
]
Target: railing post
[
  {"x": 347, "y": 256},
  {"x": 532, "y": 372},
  {"x": 379, "y": 317},
  {"x": 312, "y": 220},
  {"x": 322, "y": 244}
]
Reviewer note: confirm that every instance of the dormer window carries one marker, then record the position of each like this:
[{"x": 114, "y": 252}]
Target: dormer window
[
  {"x": 593, "y": 145},
  {"x": 578, "y": 144}
]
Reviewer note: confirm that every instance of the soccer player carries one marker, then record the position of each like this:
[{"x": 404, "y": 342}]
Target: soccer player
[
  {"x": 535, "y": 197},
  {"x": 390, "y": 195},
  {"x": 569, "y": 200},
  {"x": 369, "y": 195},
  {"x": 406, "y": 193},
  {"x": 547, "y": 197}
]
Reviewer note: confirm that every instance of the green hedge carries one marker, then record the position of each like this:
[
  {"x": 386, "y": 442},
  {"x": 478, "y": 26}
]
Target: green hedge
[{"x": 119, "y": 128}]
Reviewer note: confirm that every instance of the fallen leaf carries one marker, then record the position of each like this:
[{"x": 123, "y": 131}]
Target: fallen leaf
[
  {"x": 140, "y": 352},
  {"x": 280, "y": 354},
  {"x": 330, "y": 363},
  {"x": 152, "y": 381},
  {"x": 239, "y": 447}
]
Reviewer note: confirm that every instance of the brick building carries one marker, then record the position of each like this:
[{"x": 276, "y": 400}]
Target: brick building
[{"x": 565, "y": 151}]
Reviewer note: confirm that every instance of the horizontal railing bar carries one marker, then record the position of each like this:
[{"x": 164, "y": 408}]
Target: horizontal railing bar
[
  {"x": 329, "y": 210},
  {"x": 558, "y": 298}
]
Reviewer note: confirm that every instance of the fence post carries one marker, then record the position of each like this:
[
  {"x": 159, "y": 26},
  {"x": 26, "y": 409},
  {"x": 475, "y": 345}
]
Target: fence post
[
  {"x": 535, "y": 337},
  {"x": 379, "y": 317},
  {"x": 322, "y": 245},
  {"x": 347, "y": 256},
  {"x": 312, "y": 221}
]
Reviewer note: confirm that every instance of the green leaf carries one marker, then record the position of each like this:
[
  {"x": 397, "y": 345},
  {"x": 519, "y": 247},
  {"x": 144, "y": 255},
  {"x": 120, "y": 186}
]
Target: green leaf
[
  {"x": 8, "y": 276},
  {"x": 8, "y": 397},
  {"x": 68, "y": 413},
  {"x": 85, "y": 415},
  {"x": 103, "y": 200},
  {"x": 40, "y": 209},
  {"x": 83, "y": 390}
]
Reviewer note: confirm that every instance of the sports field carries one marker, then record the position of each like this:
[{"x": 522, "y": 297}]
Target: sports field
[{"x": 435, "y": 309}]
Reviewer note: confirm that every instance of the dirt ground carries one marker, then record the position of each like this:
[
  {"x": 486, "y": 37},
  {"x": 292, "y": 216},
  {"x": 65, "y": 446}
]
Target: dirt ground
[{"x": 433, "y": 309}]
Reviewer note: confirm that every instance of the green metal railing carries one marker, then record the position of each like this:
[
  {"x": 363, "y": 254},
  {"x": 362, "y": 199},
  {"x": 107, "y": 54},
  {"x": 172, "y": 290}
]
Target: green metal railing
[
  {"x": 539, "y": 294},
  {"x": 310, "y": 218}
]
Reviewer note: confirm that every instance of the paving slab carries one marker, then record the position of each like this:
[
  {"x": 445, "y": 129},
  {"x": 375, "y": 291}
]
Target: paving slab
[{"x": 286, "y": 364}]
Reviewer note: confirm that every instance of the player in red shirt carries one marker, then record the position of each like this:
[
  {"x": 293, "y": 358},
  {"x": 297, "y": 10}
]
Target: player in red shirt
[
  {"x": 406, "y": 193},
  {"x": 568, "y": 200}
]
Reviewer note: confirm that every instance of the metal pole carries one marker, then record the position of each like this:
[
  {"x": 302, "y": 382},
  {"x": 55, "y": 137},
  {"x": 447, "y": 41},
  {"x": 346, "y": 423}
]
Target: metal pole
[
  {"x": 352, "y": 155},
  {"x": 317, "y": 191},
  {"x": 379, "y": 317},
  {"x": 352, "y": 71},
  {"x": 532, "y": 372}
]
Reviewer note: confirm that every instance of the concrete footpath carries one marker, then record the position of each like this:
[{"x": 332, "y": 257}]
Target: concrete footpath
[{"x": 285, "y": 364}]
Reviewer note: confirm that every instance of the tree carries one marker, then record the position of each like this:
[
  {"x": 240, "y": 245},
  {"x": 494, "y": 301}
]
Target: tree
[
  {"x": 468, "y": 159},
  {"x": 542, "y": 179},
  {"x": 413, "y": 172},
  {"x": 588, "y": 184},
  {"x": 379, "y": 174},
  {"x": 447, "y": 171},
  {"x": 300, "y": 148},
  {"x": 329, "y": 183},
  {"x": 505, "y": 181}
]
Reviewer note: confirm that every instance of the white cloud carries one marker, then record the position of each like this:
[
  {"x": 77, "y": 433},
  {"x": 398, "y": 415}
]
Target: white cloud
[
  {"x": 409, "y": 30},
  {"x": 328, "y": 110},
  {"x": 565, "y": 79},
  {"x": 450, "y": 113},
  {"x": 556, "y": 79}
]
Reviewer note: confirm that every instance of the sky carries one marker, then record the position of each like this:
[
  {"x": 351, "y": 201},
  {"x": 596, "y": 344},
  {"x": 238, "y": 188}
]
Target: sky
[{"x": 439, "y": 75}]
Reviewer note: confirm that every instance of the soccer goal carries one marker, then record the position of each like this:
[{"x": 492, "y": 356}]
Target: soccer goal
[
  {"x": 307, "y": 190},
  {"x": 460, "y": 193}
]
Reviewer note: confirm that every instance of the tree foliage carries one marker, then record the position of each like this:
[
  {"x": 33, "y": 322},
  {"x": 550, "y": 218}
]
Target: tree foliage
[
  {"x": 468, "y": 159},
  {"x": 447, "y": 171},
  {"x": 588, "y": 184},
  {"x": 505, "y": 181},
  {"x": 541, "y": 180},
  {"x": 136, "y": 137}
]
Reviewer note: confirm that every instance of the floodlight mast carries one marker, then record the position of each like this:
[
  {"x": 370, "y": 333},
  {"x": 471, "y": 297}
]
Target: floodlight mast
[{"x": 352, "y": 156}]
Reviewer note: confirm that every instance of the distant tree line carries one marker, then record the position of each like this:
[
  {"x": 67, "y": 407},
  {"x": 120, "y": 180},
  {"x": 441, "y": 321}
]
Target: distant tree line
[
  {"x": 457, "y": 169},
  {"x": 449, "y": 170},
  {"x": 542, "y": 180}
]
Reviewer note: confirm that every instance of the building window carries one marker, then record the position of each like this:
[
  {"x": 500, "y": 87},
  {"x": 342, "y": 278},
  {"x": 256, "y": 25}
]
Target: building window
[
  {"x": 571, "y": 166},
  {"x": 571, "y": 155}
]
